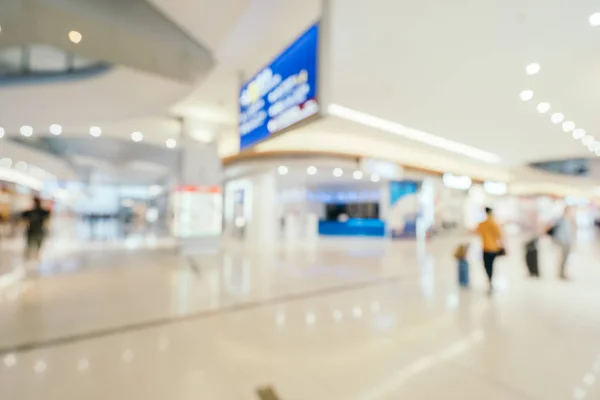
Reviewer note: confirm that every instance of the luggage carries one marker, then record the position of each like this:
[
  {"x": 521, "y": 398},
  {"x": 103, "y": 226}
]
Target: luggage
[
  {"x": 531, "y": 258},
  {"x": 463, "y": 273}
]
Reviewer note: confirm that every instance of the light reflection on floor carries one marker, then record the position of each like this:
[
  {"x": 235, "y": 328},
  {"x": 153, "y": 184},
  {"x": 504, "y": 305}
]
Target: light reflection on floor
[{"x": 387, "y": 324}]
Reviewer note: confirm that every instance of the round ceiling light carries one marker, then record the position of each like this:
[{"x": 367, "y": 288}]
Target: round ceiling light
[
  {"x": 595, "y": 19},
  {"x": 312, "y": 170},
  {"x": 26, "y": 130},
  {"x": 171, "y": 143},
  {"x": 543, "y": 108},
  {"x": 137, "y": 136},
  {"x": 568, "y": 126},
  {"x": 375, "y": 178},
  {"x": 1, "y": 132},
  {"x": 357, "y": 174},
  {"x": 338, "y": 172},
  {"x": 526, "y": 95},
  {"x": 282, "y": 170},
  {"x": 557, "y": 118},
  {"x": 578, "y": 133},
  {"x": 55, "y": 129},
  {"x": 587, "y": 140},
  {"x": 95, "y": 131},
  {"x": 594, "y": 146},
  {"x": 75, "y": 37},
  {"x": 598, "y": 153},
  {"x": 533, "y": 69}
]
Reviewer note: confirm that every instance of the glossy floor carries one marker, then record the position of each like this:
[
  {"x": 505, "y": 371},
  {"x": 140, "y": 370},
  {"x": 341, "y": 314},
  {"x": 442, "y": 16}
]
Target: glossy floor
[{"x": 352, "y": 319}]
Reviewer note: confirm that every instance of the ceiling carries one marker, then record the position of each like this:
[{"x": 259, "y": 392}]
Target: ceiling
[
  {"x": 456, "y": 70},
  {"x": 109, "y": 160},
  {"x": 453, "y": 70}
]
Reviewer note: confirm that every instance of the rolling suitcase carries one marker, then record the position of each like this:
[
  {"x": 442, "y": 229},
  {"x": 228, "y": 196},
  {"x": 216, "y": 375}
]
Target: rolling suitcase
[{"x": 531, "y": 258}]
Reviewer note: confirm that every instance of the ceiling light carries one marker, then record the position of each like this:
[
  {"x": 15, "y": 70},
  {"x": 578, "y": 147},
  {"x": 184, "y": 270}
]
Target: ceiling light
[
  {"x": 337, "y": 172},
  {"x": 5, "y": 162},
  {"x": 568, "y": 126},
  {"x": 526, "y": 95},
  {"x": 10, "y": 360},
  {"x": 55, "y": 129},
  {"x": 127, "y": 356},
  {"x": 578, "y": 133},
  {"x": 311, "y": 319},
  {"x": 557, "y": 118},
  {"x": 83, "y": 364},
  {"x": 587, "y": 140},
  {"x": 171, "y": 143},
  {"x": 543, "y": 108},
  {"x": 1, "y": 132},
  {"x": 357, "y": 312},
  {"x": 375, "y": 178},
  {"x": 26, "y": 130},
  {"x": 595, "y": 19},
  {"x": 533, "y": 68},
  {"x": 413, "y": 134},
  {"x": 598, "y": 153},
  {"x": 75, "y": 37},
  {"x": 95, "y": 131},
  {"x": 40, "y": 366},
  {"x": 357, "y": 174},
  {"x": 594, "y": 146},
  {"x": 311, "y": 170},
  {"x": 282, "y": 170},
  {"x": 137, "y": 136}
]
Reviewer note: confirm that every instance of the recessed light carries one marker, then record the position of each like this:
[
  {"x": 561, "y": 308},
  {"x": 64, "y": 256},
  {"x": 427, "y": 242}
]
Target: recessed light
[
  {"x": 1, "y": 132},
  {"x": 533, "y": 68},
  {"x": 282, "y": 170},
  {"x": 40, "y": 366},
  {"x": 55, "y": 129},
  {"x": 10, "y": 360},
  {"x": 357, "y": 174},
  {"x": 579, "y": 133},
  {"x": 312, "y": 170},
  {"x": 337, "y": 172},
  {"x": 557, "y": 118},
  {"x": 568, "y": 126},
  {"x": 594, "y": 146},
  {"x": 598, "y": 153},
  {"x": 595, "y": 19},
  {"x": 171, "y": 143},
  {"x": 587, "y": 140},
  {"x": 75, "y": 37},
  {"x": 375, "y": 178},
  {"x": 137, "y": 136},
  {"x": 95, "y": 131},
  {"x": 26, "y": 130},
  {"x": 526, "y": 95},
  {"x": 543, "y": 108}
]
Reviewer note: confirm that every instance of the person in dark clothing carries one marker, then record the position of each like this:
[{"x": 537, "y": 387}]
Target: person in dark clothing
[{"x": 36, "y": 220}]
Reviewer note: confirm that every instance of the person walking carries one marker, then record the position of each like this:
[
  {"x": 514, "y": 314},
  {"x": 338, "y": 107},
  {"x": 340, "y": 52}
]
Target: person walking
[
  {"x": 563, "y": 232},
  {"x": 491, "y": 239},
  {"x": 36, "y": 220}
]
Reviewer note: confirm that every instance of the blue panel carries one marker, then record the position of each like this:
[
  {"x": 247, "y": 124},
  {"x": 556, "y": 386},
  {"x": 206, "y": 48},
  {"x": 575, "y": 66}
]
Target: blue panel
[
  {"x": 353, "y": 227},
  {"x": 281, "y": 94}
]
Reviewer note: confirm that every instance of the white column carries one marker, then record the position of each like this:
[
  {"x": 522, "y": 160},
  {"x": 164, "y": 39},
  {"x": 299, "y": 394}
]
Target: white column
[{"x": 263, "y": 227}]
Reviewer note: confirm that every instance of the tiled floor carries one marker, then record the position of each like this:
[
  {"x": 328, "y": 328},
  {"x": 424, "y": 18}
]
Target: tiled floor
[{"x": 353, "y": 319}]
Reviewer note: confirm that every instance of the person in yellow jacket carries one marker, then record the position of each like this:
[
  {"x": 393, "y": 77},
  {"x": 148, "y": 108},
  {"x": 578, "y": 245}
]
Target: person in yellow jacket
[{"x": 491, "y": 239}]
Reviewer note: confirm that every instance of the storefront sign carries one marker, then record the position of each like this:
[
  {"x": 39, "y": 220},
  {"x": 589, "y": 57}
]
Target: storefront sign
[
  {"x": 457, "y": 181},
  {"x": 282, "y": 94}
]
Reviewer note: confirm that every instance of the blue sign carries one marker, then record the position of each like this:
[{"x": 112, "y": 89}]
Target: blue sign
[{"x": 281, "y": 94}]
